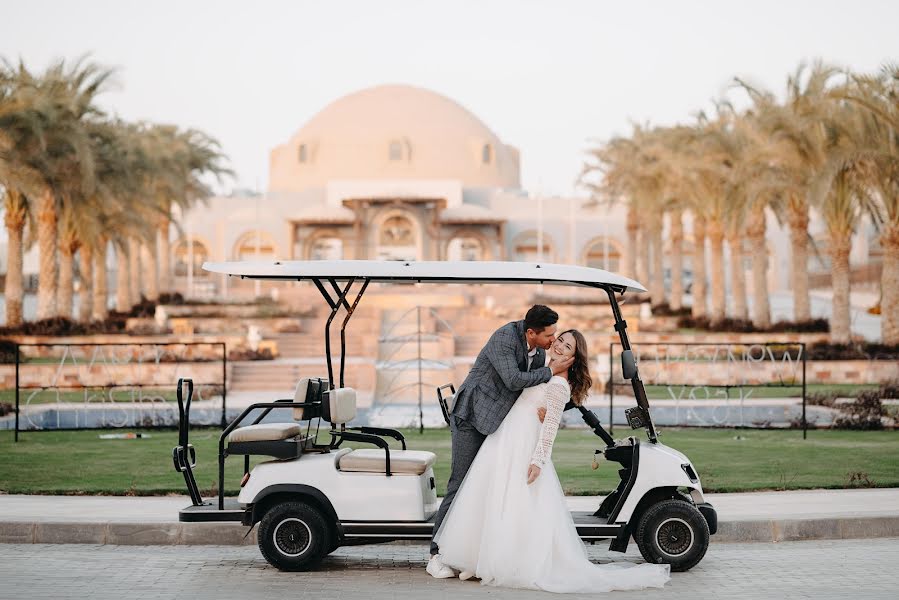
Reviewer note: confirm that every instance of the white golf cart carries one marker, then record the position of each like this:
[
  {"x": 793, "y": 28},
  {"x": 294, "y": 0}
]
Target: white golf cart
[{"x": 312, "y": 497}]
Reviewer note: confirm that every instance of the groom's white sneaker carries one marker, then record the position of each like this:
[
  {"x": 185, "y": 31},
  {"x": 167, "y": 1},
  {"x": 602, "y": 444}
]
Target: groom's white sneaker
[
  {"x": 437, "y": 569},
  {"x": 466, "y": 575}
]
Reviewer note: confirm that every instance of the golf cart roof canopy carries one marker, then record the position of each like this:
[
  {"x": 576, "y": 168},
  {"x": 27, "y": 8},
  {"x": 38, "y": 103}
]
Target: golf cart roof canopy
[{"x": 426, "y": 272}]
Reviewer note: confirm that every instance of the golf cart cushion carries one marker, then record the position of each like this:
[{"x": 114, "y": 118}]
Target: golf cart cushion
[
  {"x": 264, "y": 432},
  {"x": 339, "y": 405},
  {"x": 309, "y": 389},
  {"x": 411, "y": 462}
]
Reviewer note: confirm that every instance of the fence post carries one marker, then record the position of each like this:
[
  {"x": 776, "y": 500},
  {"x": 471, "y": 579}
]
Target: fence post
[
  {"x": 804, "y": 422},
  {"x": 611, "y": 386},
  {"x": 17, "y": 394},
  {"x": 224, "y": 384}
]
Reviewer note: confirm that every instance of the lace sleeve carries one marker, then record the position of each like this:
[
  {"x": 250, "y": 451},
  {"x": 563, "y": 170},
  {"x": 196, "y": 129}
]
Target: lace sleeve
[{"x": 557, "y": 394}]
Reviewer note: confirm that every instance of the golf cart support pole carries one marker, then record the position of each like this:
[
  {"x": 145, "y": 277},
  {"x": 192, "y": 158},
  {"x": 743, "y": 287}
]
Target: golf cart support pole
[
  {"x": 335, "y": 307},
  {"x": 636, "y": 382},
  {"x": 349, "y": 314}
]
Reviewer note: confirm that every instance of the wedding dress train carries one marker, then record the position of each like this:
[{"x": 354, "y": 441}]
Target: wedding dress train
[{"x": 512, "y": 534}]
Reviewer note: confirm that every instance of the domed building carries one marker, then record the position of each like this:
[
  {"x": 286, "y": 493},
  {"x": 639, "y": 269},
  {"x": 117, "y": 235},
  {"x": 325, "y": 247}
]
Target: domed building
[{"x": 395, "y": 172}]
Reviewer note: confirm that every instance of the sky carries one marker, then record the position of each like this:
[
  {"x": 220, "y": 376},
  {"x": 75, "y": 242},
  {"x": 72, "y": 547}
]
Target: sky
[{"x": 549, "y": 77}]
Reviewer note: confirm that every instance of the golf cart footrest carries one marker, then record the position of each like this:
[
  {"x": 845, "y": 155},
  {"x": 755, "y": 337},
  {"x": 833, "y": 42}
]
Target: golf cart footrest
[
  {"x": 277, "y": 448},
  {"x": 208, "y": 512}
]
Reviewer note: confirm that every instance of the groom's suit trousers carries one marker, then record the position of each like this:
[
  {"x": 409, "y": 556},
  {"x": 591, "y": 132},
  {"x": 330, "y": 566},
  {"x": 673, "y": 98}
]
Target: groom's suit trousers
[{"x": 466, "y": 441}]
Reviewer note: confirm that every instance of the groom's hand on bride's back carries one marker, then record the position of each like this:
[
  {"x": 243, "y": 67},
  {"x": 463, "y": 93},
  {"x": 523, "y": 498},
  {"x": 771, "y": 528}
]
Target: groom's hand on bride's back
[{"x": 562, "y": 365}]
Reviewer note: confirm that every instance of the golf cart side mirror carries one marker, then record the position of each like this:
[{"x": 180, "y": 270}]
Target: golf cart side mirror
[{"x": 628, "y": 364}]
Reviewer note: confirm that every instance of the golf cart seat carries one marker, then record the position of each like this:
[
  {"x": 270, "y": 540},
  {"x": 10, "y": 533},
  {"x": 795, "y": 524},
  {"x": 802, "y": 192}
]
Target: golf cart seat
[
  {"x": 281, "y": 440},
  {"x": 339, "y": 407}
]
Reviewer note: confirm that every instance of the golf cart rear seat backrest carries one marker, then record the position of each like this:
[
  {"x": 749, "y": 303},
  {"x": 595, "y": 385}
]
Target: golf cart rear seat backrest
[
  {"x": 339, "y": 405},
  {"x": 309, "y": 389}
]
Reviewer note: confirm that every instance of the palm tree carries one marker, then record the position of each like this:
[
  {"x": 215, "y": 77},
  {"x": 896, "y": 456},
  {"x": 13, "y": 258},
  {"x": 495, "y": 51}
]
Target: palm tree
[
  {"x": 53, "y": 150},
  {"x": 676, "y": 235},
  {"x": 879, "y": 95},
  {"x": 797, "y": 153}
]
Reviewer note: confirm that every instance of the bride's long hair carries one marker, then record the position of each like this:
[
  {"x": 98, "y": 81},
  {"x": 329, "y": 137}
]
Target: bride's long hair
[{"x": 579, "y": 373}]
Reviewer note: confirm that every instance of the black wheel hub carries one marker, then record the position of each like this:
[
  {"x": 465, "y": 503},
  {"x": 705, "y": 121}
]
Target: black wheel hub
[
  {"x": 292, "y": 537},
  {"x": 674, "y": 537}
]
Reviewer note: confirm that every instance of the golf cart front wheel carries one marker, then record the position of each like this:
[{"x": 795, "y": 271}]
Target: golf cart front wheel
[
  {"x": 293, "y": 536},
  {"x": 673, "y": 532}
]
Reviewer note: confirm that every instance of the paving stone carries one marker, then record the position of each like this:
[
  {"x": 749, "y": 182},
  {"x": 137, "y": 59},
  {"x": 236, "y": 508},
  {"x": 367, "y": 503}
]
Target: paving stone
[{"x": 821, "y": 569}]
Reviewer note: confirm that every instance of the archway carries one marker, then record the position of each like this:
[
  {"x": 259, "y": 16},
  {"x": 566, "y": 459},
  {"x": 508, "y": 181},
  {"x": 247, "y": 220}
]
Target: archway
[
  {"x": 189, "y": 256},
  {"x": 603, "y": 253},
  {"x": 255, "y": 245}
]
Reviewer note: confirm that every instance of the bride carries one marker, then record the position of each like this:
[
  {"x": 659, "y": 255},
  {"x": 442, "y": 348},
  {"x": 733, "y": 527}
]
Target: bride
[{"x": 509, "y": 524}]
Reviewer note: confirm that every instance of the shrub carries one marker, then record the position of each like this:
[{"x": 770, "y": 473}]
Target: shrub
[
  {"x": 7, "y": 352},
  {"x": 865, "y": 413},
  {"x": 6, "y": 408},
  {"x": 744, "y": 326}
]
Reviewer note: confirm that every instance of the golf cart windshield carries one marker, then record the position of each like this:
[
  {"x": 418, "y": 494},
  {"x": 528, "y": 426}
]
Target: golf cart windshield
[{"x": 326, "y": 274}]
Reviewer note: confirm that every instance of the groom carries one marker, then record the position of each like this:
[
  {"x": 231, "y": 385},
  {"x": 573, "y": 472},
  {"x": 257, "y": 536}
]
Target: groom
[{"x": 512, "y": 360}]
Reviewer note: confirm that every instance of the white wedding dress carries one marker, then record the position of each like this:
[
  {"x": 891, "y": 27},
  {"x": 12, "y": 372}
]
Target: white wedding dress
[{"x": 512, "y": 534}]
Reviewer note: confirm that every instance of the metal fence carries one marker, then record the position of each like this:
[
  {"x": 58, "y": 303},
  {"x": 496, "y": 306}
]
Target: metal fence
[
  {"x": 73, "y": 386},
  {"x": 718, "y": 384}
]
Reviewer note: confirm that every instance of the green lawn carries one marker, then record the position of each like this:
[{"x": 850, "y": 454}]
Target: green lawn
[{"x": 728, "y": 460}]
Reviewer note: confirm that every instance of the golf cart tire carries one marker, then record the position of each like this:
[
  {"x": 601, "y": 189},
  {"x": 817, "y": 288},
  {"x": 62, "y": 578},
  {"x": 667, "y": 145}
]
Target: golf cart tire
[
  {"x": 673, "y": 532},
  {"x": 293, "y": 536}
]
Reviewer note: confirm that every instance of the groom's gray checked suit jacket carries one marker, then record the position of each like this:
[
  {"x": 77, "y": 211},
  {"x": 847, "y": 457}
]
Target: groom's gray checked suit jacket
[{"x": 499, "y": 375}]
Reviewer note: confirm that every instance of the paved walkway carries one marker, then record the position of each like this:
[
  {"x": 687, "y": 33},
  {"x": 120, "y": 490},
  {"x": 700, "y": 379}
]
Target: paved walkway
[
  {"x": 819, "y": 570},
  {"x": 750, "y": 517}
]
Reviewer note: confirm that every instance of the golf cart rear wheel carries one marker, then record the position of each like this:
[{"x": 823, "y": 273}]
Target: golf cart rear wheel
[
  {"x": 673, "y": 532},
  {"x": 293, "y": 536}
]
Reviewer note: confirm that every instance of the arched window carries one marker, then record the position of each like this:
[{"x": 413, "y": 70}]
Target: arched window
[
  {"x": 255, "y": 245},
  {"x": 603, "y": 253},
  {"x": 190, "y": 251},
  {"x": 486, "y": 154},
  {"x": 465, "y": 247},
  {"x": 398, "y": 238},
  {"x": 525, "y": 248},
  {"x": 303, "y": 153}
]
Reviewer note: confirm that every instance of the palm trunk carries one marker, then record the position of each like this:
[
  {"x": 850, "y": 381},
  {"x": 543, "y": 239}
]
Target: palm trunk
[
  {"x": 47, "y": 243},
  {"x": 123, "y": 301},
  {"x": 165, "y": 259},
  {"x": 643, "y": 257},
  {"x": 134, "y": 268},
  {"x": 699, "y": 284},
  {"x": 633, "y": 228},
  {"x": 101, "y": 291},
  {"x": 14, "y": 290},
  {"x": 719, "y": 292},
  {"x": 737, "y": 274},
  {"x": 839, "y": 281},
  {"x": 761, "y": 308},
  {"x": 65, "y": 292},
  {"x": 149, "y": 273},
  {"x": 677, "y": 260},
  {"x": 889, "y": 285},
  {"x": 85, "y": 291},
  {"x": 799, "y": 262},
  {"x": 657, "y": 274}
]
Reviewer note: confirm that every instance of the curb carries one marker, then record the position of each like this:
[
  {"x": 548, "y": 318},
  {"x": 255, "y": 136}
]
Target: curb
[{"x": 234, "y": 534}]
